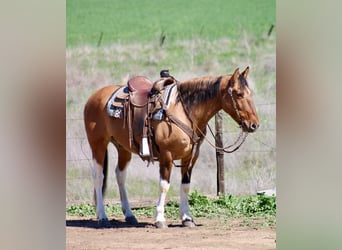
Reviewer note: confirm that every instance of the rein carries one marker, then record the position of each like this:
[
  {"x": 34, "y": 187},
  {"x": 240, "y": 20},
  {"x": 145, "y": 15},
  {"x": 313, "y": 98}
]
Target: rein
[{"x": 242, "y": 135}]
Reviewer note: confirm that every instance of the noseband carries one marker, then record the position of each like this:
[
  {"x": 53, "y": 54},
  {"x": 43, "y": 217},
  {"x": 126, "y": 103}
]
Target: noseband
[{"x": 242, "y": 136}]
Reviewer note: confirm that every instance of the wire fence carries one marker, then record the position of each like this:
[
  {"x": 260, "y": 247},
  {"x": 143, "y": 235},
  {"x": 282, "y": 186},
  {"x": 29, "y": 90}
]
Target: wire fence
[{"x": 249, "y": 169}]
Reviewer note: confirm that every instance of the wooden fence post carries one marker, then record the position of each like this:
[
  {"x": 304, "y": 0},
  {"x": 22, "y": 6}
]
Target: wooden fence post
[{"x": 219, "y": 154}]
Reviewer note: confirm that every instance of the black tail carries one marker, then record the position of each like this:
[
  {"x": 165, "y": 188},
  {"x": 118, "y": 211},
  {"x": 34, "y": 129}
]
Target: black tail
[
  {"x": 105, "y": 173},
  {"x": 105, "y": 170}
]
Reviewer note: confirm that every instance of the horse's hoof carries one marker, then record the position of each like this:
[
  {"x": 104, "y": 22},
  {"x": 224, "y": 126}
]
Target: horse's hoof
[
  {"x": 104, "y": 223},
  {"x": 161, "y": 224},
  {"x": 131, "y": 220},
  {"x": 188, "y": 223}
]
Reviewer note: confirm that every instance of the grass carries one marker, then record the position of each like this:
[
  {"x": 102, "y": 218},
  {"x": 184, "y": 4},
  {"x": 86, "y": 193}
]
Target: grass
[
  {"x": 223, "y": 207},
  {"x": 88, "y": 68},
  {"x": 144, "y": 21}
]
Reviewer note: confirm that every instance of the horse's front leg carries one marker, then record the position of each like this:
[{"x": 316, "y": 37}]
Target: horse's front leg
[
  {"x": 164, "y": 185},
  {"x": 184, "y": 210}
]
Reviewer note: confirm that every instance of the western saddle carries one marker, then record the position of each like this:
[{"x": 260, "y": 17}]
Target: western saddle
[{"x": 138, "y": 103}]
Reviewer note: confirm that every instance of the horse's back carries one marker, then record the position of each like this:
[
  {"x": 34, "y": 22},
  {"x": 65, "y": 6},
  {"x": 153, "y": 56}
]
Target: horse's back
[{"x": 99, "y": 99}]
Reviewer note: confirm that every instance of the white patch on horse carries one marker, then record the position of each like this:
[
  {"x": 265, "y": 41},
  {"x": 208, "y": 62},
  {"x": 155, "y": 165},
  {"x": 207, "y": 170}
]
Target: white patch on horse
[
  {"x": 98, "y": 183},
  {"x": 184, "y": 210},
  {"x": 164, "y": 188},
  {"x": 121, "y": 180}
]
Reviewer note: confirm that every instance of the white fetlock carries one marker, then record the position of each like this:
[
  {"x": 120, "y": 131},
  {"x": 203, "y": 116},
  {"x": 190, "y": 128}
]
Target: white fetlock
[
  {"x": 161, "y": 224},
  {"x": 189, "y": 222},
  {"x": 160, "y": 219},
  {"x": 98, "y": 182}
]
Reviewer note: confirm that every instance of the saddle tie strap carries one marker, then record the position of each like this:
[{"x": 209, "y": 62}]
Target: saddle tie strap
[{"x": 129, "y": 125}]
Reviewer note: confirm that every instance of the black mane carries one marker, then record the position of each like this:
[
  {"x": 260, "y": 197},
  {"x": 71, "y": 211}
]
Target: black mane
[{"x": 198, "y": 90}]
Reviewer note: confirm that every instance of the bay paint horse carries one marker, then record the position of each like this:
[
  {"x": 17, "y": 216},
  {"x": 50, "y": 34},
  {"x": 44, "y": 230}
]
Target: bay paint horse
[{"x": 196, "y": 102}]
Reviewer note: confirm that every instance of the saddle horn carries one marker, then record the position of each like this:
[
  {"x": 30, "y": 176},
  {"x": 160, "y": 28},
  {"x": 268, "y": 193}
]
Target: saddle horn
[{"x": 164, "y": 73}]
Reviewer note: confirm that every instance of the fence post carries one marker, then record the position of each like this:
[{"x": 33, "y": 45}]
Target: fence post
[{"x": 219, "y": 154}]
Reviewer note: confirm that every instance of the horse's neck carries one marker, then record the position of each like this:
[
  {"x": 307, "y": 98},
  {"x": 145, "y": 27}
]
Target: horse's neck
[
  {"x": 203, "y": 112},
  {"x": 208, "y": 100}
]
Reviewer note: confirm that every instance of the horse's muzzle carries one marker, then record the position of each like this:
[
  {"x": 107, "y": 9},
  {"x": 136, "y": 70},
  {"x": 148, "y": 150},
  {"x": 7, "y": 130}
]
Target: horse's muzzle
[{"x": 249, "y": 127}]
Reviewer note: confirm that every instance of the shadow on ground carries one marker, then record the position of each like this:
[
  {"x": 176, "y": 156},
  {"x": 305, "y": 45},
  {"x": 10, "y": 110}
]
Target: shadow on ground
[{"x": 90, "y": 223}]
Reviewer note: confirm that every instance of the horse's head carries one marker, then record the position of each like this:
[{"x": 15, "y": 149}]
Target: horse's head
[{"x": 238, "y": 103}]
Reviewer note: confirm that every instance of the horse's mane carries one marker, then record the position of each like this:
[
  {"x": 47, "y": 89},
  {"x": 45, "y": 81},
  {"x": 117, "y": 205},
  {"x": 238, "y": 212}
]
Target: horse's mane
[{"x": 198, "y": 90}]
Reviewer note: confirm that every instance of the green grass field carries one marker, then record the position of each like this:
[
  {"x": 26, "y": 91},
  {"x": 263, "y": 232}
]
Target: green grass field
[
  {"x": 133, "y": 21},
  {"x": 201, "y": 38}
]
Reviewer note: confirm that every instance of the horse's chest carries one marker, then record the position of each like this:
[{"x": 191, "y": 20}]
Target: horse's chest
[{"x": 179, "y": 146}]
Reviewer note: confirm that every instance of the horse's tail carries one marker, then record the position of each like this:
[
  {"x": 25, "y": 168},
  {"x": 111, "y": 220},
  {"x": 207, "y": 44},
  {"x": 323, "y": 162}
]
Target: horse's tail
[{"x": 105, "y": 173}]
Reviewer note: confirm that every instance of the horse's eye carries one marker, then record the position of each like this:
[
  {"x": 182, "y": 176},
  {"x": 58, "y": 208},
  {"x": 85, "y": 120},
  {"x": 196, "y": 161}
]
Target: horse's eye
[{"x": 240, "y": 95}]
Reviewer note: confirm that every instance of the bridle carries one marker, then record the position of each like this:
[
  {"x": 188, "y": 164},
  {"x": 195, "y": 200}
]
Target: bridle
[
  {"x": 241, "y": 138},
  {"x": 230, "y": 92}
]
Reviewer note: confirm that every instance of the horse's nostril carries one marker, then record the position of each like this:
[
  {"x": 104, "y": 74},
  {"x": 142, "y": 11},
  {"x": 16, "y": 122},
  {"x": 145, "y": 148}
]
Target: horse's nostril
[{"x": 254, "y": 126}]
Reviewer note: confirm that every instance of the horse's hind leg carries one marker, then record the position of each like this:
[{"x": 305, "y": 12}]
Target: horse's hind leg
[
  {"x": 121, "y": 172},
  {"x": 99, "y": 169}
]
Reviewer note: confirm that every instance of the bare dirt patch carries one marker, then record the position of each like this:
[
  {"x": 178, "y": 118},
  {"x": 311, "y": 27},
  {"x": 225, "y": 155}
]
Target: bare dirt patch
[{"x": 83, "y": 233}]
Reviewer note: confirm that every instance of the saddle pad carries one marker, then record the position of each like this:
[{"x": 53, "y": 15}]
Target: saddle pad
[
  {"x": 169, "y": 95},
  {"x": 115, "y": 104}
]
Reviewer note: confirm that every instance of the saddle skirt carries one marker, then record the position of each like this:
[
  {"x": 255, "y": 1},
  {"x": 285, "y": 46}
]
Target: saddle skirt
[{"x": 116, "y": 103}]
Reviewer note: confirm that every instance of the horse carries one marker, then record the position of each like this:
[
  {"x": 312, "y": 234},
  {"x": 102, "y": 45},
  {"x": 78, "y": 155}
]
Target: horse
[{"x": 177, "y": 137}]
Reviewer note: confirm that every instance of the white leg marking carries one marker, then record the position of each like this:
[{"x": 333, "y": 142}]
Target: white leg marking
[
  {"x": 121, "y": 180},
  {"x": 98, "y": 183},
  {"x": 164, "y": 187},
  {"x": 184, "y": 210}
]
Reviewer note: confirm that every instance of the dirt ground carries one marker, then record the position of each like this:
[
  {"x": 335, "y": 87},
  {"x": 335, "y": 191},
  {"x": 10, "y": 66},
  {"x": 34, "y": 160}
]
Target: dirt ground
[{"x": 244, "y": 234}]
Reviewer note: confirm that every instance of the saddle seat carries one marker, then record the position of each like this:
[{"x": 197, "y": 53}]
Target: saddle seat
[{"x": 140, "y": 87}]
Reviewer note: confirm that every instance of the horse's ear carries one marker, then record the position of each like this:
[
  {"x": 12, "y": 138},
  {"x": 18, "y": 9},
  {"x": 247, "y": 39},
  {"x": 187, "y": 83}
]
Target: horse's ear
[
  {"x": 245, "y": 72},
  {"x": 236, "y": 74}
]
